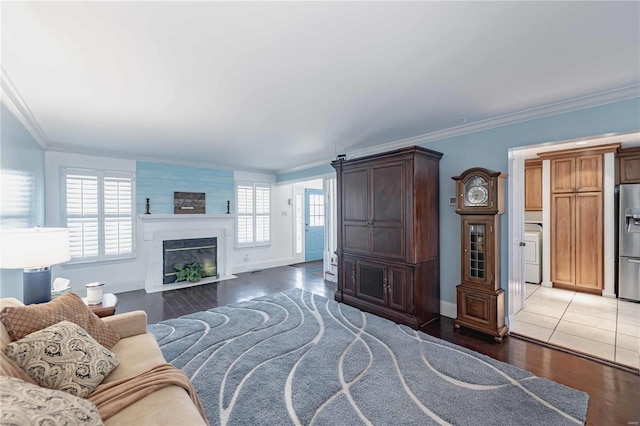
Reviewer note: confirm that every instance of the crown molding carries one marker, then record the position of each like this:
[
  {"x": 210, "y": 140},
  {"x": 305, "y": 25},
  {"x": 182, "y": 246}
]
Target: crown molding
[
  {"x": 18, "y": 107},
  {"x": 583, "y": 102},
  {"x": 153, "y": 159}
]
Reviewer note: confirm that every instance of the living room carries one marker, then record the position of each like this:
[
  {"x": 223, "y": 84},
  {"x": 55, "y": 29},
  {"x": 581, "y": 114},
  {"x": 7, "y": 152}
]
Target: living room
[{"x": 240, "y": 96}]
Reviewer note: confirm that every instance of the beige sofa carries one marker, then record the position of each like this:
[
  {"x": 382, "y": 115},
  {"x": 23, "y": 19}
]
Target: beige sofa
[{"x": 138, "y": 352}]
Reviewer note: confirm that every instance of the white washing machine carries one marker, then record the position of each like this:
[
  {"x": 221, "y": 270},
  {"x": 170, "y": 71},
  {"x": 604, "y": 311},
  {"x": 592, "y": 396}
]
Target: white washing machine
[{"x": 533, "y": 253}]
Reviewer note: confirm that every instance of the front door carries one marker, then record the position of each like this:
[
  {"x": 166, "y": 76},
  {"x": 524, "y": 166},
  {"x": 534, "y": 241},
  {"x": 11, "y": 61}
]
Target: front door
[{"x": 314, "y": 224}]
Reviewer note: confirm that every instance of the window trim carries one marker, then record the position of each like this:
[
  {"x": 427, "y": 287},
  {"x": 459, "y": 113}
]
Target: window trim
[
  {"x": 101, "y": 174},
  {"x": 254, "y": 214}
]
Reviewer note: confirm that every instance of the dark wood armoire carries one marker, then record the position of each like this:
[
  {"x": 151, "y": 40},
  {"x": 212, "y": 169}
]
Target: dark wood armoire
[{"x": 388, "y": 234}]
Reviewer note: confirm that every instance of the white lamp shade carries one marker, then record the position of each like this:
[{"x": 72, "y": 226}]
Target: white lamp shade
[{"x": 33, "y": 247}]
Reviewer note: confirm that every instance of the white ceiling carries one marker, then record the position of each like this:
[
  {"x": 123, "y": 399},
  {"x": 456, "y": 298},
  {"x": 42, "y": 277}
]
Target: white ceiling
[{"x": 274, "y": 86}]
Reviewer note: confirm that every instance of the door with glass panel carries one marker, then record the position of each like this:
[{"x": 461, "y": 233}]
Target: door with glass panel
[{"x": 314, "y": 224}]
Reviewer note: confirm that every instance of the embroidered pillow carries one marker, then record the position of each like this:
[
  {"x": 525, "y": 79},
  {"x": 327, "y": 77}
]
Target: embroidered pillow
[
  {"x": 23, "y": 320},
  {"x": 28, "y": 404},
  {"x": 63, "y": 357}
]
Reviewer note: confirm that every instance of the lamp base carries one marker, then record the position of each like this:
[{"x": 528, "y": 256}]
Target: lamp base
[{"x": 36, "y": 285}]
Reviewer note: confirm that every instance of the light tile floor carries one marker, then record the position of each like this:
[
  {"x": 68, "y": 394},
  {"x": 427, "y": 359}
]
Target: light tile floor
[{"x": 595, "y": 325}]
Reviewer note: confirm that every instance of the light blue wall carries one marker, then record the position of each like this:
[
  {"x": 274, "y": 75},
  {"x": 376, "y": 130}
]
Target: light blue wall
[
  {"x": 21, "y": 186},
  {"x": 489, "y": 149},
  {"x": 158, "y": 182}
]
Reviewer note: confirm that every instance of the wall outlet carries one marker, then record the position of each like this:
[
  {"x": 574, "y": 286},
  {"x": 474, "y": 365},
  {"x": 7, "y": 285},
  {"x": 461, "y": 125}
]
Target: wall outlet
[
  {"x": 246, "y": 258},
  {"x": 452, "y": 201}
]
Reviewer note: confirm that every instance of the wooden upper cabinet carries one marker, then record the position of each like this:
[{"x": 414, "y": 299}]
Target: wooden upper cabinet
[
  {"x": 576, "y": 174},
  {"x": 589, "y": 173},
  {"x": 628, "y": 166},
  {"x": 578, "y": 170},
  {"x": 563, "y": 175},
  {"x": 533, "y": 185}
]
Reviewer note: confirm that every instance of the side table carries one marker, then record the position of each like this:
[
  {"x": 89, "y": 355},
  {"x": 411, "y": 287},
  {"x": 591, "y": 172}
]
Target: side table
[{"x": 106, "y": 308}]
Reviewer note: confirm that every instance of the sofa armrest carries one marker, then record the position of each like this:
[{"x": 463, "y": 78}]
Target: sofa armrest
[{"x": 128, "y": 324}]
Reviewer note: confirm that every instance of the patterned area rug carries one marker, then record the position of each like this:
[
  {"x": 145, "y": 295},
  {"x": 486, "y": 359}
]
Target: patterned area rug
[{"x": 298, "y": 358}]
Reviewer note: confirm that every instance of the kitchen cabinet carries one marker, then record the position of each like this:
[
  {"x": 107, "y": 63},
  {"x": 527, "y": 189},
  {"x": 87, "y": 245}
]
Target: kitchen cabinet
[
  {"x": 628, "y": 166},
  {"x": 577, "y": 228},
  {"x": 576, "y": 174},
  {"x": 533, "y": 185},
  {"x": 388, "y": 234}
]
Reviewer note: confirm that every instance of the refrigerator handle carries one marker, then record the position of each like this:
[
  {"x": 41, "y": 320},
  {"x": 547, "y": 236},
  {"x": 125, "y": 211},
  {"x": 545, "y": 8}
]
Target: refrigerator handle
[{"x": 633, "y": 260}]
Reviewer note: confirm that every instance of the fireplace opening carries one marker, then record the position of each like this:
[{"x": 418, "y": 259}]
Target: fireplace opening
[{"x": 189, "y": 251}]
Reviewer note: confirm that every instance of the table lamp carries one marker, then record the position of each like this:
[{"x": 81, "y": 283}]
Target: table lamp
[{"x": 35, "y": 250}]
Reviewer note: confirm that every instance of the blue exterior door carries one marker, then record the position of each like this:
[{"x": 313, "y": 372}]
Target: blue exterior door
[{"x": 314, "y": 224}]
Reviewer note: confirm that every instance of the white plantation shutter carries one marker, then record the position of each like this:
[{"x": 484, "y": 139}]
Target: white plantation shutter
[
  {"x": 118, "y": 215},
  {"x": 254, "y": 213},
  {"x": 245, "y": 213},
  {"x": 99, "y": 214},
  {"x": 82, "y": 214},
  {"x": 263, "y": 213}
]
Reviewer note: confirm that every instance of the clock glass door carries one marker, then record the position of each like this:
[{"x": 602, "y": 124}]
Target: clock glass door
[
  {"x": 477, "y": 255},
  {"x": 477, "y": 239}
]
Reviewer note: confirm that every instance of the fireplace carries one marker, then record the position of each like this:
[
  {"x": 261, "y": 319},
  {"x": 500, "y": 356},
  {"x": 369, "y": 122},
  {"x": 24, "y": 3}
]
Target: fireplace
[
  {"x": 203, "y": 251},
  {"x": 158, "y": 228}
]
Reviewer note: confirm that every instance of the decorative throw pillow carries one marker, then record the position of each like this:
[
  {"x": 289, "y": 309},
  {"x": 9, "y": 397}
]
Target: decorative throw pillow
[
  {"x": 23, "y": 320},
  {"x": 11, "y": 369},
  {"x": 28, "y": 404},
  {"x": 63, "y": 357}
]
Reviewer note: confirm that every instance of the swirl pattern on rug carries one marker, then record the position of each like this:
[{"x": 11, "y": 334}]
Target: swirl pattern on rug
[{"x": 299, "y": 358}]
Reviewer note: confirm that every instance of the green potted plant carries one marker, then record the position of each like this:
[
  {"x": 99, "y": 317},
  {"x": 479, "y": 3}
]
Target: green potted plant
[{"x": 189, "y": 272}]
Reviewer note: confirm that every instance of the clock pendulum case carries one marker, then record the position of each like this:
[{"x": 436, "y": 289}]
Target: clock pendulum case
[{"x": 480, "y": 300}]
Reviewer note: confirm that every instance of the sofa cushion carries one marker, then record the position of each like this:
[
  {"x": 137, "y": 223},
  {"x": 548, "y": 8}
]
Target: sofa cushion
[
  {"x": 64, "y": 357},
  {"x": 20, "y": 321},
  {"x": 167, "y": 406},
  {"x": 28, "y": 404},
  {"x": 138, "y": 353}
]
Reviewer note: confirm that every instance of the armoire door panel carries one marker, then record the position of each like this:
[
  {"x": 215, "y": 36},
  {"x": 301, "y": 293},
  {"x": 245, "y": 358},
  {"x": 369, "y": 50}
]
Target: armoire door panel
[
  {"x": 588, "y": 240},
  {"x": 388, "y": 241},
  {"x": 355, "y": 188},
  {"x": 348, "y": 275},
  {"x": 356, "y": 238},
  {"x": 562, "y": 239},
  {"x": 371, "y": 281},
  {"x": 388, "y": 192},
  {"x": 398, "y": 281}
]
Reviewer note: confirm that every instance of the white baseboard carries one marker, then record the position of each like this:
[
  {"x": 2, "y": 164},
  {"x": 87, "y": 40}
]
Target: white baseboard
[
  {"x": 609, "y": 295},
  {"x": 546, "y": 284},
  {"x": 448, "y": 309},
  {"x": 257, "y": 266}
]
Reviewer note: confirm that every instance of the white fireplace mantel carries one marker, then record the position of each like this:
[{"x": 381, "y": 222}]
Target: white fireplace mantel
[{"x": 157, "y": 228}]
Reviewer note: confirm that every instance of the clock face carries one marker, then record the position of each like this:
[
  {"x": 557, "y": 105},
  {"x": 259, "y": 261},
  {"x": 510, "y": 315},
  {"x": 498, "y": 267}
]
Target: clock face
[{"x": 476, "y": 192}]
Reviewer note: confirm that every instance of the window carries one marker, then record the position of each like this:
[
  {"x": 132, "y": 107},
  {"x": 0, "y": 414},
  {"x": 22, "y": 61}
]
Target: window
[
  {"x": 98, "y": 210},
  {"x": 254, "y": 214}
]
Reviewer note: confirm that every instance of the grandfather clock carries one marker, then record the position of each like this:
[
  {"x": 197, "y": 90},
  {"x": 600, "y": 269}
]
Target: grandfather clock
[{"x": 480, "y": 202}]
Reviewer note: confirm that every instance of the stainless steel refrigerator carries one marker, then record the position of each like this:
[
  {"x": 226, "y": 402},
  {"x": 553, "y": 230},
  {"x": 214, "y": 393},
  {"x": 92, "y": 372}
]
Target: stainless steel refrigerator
[{"x": 629, "y": 238}]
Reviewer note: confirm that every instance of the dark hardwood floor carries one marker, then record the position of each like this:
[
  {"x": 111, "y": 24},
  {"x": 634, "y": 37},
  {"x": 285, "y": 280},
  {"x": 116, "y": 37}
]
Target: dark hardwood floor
[{"x": 614, "y": 394}]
